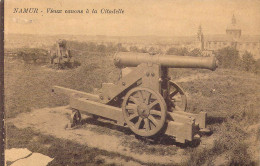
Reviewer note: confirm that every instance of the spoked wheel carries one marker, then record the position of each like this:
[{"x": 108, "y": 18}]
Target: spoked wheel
[
  {"x": 75, "y": 118},
  {"x": 144, "y": 111},
  {"x": 177, "y": 97}
]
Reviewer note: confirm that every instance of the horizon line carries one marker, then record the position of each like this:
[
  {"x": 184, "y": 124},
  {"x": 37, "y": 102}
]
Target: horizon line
[{"x": 123, "y": 35}]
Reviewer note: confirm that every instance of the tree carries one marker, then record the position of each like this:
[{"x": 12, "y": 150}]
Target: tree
[
  {"x": 143, "y": 50},
  {"x": 195, "y": 52},
  {"x": 101, "y": 48},
  {"x": 257, "y": 66},
  {"x": 120, "y": 48},
  {"x": 92, "y": 46},
  {"x": 134, "y": 49},
  {"x": 248, "y": 62},
  {"x": 228, "y": 57},
  {"x": 111, "y": 47},
  {"x": 29, "y": 55},
  {"x": 151, "y": 50},
  {"x": 177, "y": 51}
]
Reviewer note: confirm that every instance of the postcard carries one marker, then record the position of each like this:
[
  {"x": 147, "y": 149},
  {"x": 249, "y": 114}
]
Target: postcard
[{"x": 110, "y": 82}]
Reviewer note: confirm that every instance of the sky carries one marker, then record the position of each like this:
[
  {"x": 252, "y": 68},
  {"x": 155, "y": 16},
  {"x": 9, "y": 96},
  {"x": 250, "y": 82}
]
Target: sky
[{"x": 140, "y": 18}]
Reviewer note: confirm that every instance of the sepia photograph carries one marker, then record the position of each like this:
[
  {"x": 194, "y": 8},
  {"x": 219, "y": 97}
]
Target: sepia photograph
[{"x": 131, "y": 83}]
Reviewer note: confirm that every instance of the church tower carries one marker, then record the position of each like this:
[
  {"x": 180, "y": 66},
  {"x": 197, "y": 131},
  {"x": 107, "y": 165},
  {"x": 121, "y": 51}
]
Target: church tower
[
  {"x": 233, "y": 30},
  {"x": 200, "y": 38}
]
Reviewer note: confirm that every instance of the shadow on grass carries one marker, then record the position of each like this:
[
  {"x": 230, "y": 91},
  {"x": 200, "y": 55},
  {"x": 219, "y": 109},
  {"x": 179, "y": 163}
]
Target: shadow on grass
[
  {"x": 215, "y": 120},
  {"x": 168, "y": 140}
]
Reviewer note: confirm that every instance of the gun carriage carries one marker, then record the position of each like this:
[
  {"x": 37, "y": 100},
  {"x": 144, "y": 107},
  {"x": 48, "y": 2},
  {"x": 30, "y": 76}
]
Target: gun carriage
[{"x": 145, "y": 98}]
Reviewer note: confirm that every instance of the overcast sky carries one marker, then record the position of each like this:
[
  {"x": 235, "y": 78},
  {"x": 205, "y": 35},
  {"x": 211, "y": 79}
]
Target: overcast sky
[{"x": 141, "y": 17}]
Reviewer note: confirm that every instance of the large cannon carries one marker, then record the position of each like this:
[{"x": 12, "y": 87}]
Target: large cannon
[{"x": 145, "y": 99}]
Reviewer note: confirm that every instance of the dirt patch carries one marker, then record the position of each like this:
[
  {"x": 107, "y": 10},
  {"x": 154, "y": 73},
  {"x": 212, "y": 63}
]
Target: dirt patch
[{"x": 52, "y": 121}]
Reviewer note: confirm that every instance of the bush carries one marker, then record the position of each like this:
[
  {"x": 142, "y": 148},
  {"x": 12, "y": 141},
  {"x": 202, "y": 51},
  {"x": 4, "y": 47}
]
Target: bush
[
  {"x": 151, "y": 50},
  {"x": 101, "y": 48},
  {"x": 228, "y": 57},
  {"x": 75, "y": 45},
  {"x": 143, "y": 50},
  {"x": 195, "y": 52},
  {"x": 34, "y": 55},
  {"x": 257, "y": 66},
  {"x": 85, "y": 47},
  {"x": 120, "y": 48},
  {"x": 248, "y": 62},
  {"x": 178, "y": 51},
  {"x": 111, "y": 48},
  {"x": 134, "y": 49}
]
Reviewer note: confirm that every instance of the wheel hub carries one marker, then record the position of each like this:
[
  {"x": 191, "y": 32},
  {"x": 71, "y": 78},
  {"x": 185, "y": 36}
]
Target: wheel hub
[{"x": 143, "y": 110}]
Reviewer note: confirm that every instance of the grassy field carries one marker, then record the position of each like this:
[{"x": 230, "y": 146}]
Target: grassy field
[{"x": 231, "y": 99}]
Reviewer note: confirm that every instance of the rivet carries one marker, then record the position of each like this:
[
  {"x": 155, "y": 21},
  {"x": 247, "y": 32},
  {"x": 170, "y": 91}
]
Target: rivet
[
  {"x": 101, "y": 97},
  {"x": 108, "y": 98},
  {"x": 147, "y": 74},
  {"x": 123, "y": 83},
  {"x": 152, "y": 74}
]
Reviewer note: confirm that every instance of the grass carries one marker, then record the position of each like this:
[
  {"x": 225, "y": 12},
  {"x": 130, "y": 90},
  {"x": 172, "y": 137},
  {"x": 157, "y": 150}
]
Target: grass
[
  {"x": 30, "y": 86},
  {"x": 230, "y": 143},
  {"x": 235, "y": 100}
]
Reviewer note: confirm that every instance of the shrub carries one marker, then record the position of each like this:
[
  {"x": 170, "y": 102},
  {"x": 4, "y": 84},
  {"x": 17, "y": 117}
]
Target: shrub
[
  {"x": 111, "y": 48},
  {"x": 75, "y": 45},
  {"x": 120, "y": 48},
  {"x": 134, "y": 49},
  {"x": 257, "y": 66},
  {"x": 151, "y": 49},
  {"x": 85, "y": 47},
  {"x": 143, "y": 50},
  {"x": 92, "y": 46},
  {"x": 32, "y": 55},
  {"x": 248, "y": 62},
  {"x": 195, "y": 52},
  {"x": 228, "y": 57},
  {"x": 178, "y": 51},
  {"x": 101, "y": 48}
]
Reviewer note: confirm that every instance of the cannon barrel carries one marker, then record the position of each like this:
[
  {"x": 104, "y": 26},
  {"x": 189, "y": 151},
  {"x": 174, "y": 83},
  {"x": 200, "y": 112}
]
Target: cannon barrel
[{"x": 129, "y": 59}]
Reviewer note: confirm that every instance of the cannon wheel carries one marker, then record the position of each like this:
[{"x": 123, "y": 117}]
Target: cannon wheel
[
  {"x": 75, "y": 118},
  {"x": 144, "y": 111},
  {"x": 177, "y": 97}
]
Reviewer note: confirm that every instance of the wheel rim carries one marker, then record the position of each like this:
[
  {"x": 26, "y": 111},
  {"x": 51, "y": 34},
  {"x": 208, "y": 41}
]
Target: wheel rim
[
  {"x": 177, "y": 97},
  {"x": 144, "y": 111}
]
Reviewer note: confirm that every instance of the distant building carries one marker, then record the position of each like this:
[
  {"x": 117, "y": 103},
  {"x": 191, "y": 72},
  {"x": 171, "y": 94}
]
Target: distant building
[
  {"x": 233, "y": 31},
  {"x": 235, "y": 39}
]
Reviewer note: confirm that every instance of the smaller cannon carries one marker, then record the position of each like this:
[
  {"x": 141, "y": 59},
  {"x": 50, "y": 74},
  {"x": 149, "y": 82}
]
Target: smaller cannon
[
  {"x": 61, "y": 56},
  {"x": 145, "y": 99}
]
